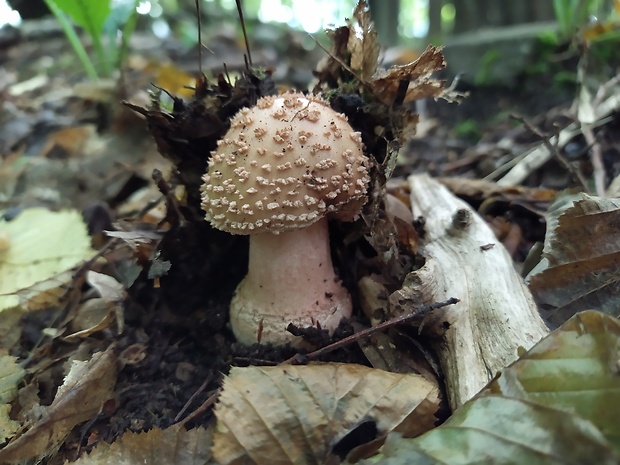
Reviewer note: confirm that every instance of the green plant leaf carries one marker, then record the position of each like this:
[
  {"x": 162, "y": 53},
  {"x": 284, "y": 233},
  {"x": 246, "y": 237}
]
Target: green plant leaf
[
  {"x": 123, "y": 17},
  {"x": 89, "y": 14},
  {"x": 558, "y": 404},
  {"x": 118, "y": 17}
]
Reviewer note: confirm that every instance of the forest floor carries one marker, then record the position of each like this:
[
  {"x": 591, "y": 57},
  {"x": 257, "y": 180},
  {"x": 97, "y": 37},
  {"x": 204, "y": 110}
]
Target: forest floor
[{"x": 69, "y": 144}]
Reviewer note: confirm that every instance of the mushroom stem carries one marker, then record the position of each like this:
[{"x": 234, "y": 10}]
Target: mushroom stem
[{"x": 290, "y": 279}]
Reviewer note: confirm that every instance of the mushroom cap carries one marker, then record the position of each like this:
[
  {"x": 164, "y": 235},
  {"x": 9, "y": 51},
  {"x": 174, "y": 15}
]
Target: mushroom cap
[{"x": 284, "y": 164}]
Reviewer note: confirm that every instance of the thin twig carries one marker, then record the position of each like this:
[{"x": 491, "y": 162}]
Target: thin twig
[
  {"x": 245, "y": 35},
  {"x": 344, "y": 65},
  {"x": 199, "y": 19},
  {"x": 418, "y": 314},
  {"x": 604, "y": 90},
  {"x": 173, "y": 208},
  {"x": 598, "y": 166},
  {"x": 596, "y": 156},
  {"x": 555, "y": 152},
  {"x": 202, "y": 387},
  {"x": 203, "y": 407}
]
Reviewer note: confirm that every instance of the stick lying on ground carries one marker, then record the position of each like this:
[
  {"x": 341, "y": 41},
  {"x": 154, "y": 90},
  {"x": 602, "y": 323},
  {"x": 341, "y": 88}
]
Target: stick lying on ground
[{"x": 496, "y": 315}]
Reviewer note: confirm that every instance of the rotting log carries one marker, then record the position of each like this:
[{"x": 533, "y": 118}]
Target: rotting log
[{"x": 496, "y": 316}]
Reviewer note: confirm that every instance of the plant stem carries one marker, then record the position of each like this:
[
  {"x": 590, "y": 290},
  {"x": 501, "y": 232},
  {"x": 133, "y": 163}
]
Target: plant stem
[
  {"x": 101, "y": 54},
  {"x": 73, "y": 39},
  {"x": 127, "y": 32}
]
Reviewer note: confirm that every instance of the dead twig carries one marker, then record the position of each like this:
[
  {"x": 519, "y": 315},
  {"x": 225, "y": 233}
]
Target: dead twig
[
  {"x": 417, "y": 315},
  {"x": 198, "y": 19},
  {"x": 245, "y": 35},
  {"x": 203, "y": 408},
  {"x": 173, "y": 208},
  {"x": 555, "y": 152},
  {"x": 596, "y": 156},
  {"x": 605, "y": 90},
  {"x": 202, "y": 387}
]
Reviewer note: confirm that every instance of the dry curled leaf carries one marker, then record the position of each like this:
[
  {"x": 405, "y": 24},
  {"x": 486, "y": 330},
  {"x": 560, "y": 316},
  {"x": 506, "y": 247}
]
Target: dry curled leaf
[
  {"x": 108, "y": 287},
  {"x": 298, "y": 414},
  {"x": 99, "y": 313},
  {"x": 581, "y": 256},
  {"x": 412, "y": 81},
  {"x": 355, "y": 48},
  {"x": 82, "y": 395},
  {"x": 363, "y": 46},
  {"x": 174, "y": 445}
]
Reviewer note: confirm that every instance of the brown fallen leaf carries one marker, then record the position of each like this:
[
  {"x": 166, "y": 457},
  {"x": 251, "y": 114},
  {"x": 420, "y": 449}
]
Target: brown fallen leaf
[
  {"x": 84, "y": 391},
  {"x": 298, "y": 414},
  {"x": 174, "y": 445},
  {"x": 413, "y": 81},
  {"x": 355, "y": 48},
  {"x": 10, "y": 327},
  {"x": 92, "y": 316},
  {"x": 68, "y": 142},
  {"x": 481, "y": 189},
  {"x": 11, "y": 374},
  {"x": 363, "y": 46},
  {"x": 582, "y": 257}
]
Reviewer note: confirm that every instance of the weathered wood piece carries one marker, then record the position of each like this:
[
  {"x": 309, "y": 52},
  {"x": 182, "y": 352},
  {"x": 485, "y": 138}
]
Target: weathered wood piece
[{"x": 496, "y": 315}]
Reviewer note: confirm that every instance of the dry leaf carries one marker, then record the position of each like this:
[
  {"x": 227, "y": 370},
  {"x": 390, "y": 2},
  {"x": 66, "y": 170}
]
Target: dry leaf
[
  {"x": 172, "y": 445},
  {"x": 107, "y": 286},
  {"x": 84, "y": 391},
  {"x": 99, "y": 313},
  {"x": 297, "y": 414},
  {"x": 575, "y": 369},
  {"x": 582, "y": 253},
  {"x": 68, "y": 142},
  {"x": 412, "y": 81},
  {"x": 42, "y": 245},
  {"x": 173, "y": 79},
  {"x": 558, "y": 404},
  {"x": 363, "y": 44},
  {"x": 481, "y": 189},
  {"x": 11, "y": 374},
  {"x": 10, "y": 327},
  {"x": 92, "y": 316},
  {"x": 355, "y": 48}
]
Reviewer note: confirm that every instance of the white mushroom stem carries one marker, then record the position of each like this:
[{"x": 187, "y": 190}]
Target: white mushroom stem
[
  {"x": 290, "y": 279},
  {"x": 496, "y": 316}
]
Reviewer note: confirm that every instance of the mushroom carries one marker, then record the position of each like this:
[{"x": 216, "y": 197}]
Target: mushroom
[{"x": 283, "y": 168}]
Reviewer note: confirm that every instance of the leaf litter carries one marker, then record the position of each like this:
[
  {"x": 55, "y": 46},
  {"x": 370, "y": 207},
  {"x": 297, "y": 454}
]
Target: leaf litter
[
  {"x": 579, "y": 266},
  {"x": 556, "y": 404}
]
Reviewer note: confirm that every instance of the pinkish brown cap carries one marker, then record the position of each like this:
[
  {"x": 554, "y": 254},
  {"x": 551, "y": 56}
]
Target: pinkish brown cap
[{"x": 284, "y": 164}]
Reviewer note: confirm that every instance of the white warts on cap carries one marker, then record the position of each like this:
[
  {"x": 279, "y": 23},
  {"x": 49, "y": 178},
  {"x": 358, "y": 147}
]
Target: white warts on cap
[{"x": 289, "y": 140}]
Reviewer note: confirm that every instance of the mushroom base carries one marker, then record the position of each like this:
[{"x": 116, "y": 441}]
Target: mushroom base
[{"x": 290, "y": 279}]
